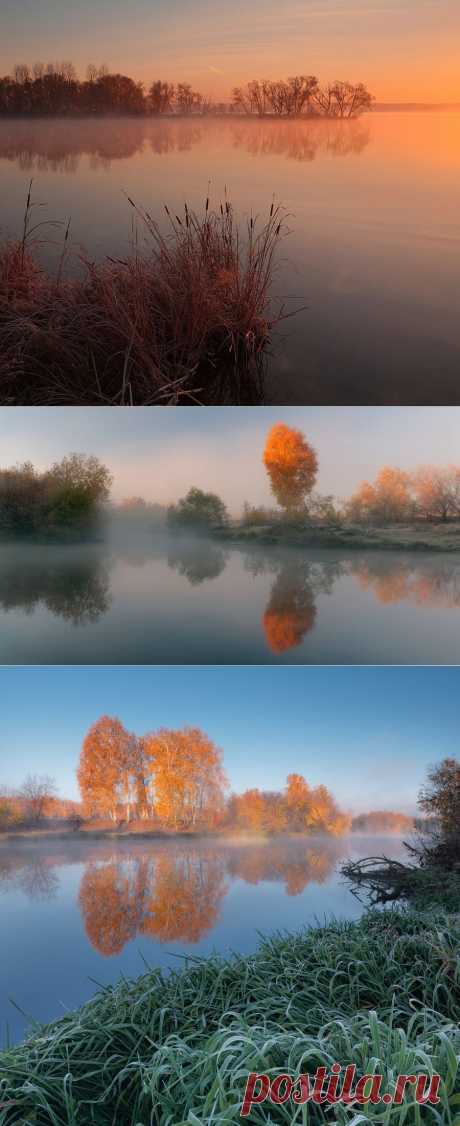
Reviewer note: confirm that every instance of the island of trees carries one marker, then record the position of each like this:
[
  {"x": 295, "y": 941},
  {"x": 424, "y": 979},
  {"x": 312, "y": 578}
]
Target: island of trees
[
  {"x": 54, "y": 88},
  {"x": 173, "y": 781}
]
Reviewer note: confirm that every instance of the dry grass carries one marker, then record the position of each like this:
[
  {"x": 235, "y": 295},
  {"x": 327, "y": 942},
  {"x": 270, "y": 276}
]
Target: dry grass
[{"x": 184, "y": 310}]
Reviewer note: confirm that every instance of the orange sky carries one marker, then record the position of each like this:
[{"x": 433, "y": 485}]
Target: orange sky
[{"x": 403, "y": 49}]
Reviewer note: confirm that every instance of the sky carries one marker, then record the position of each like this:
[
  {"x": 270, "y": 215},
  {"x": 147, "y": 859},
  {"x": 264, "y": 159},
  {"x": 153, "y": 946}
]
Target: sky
[
  {"x": 402, "y": 49},
  {"x": 368, "y": 734},
  {"x": 160, "y": 453}
]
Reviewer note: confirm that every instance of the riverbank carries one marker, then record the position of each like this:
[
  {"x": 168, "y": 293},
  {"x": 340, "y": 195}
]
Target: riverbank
[
  {"x": 397, "y": 537},
  {"x": 177, "y": 1049}
]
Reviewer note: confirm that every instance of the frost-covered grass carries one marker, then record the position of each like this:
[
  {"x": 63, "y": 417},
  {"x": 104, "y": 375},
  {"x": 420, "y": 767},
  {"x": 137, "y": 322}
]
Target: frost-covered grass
[{"x": 383, "y": 993}]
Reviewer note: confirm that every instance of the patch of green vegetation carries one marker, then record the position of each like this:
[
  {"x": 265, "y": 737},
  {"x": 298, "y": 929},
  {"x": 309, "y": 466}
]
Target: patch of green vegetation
[{"x": 383, "y": 993}]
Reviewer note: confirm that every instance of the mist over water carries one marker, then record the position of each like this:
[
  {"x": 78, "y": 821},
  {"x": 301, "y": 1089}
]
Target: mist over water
[
  {"x": 373, "y": 209},
  {"x": 100, "y": 907},
  {"x": 135, "y": 597}
]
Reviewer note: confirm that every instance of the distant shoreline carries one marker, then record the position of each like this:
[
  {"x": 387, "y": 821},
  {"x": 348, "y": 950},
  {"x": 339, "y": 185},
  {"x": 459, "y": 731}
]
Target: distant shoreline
[
  {"x": 159, "y": 834},
  {"x": 377, "y": 108}
]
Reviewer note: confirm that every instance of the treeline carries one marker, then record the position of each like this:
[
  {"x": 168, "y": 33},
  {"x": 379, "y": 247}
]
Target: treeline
[
  {"x": 35, "y": 802},
  {"x": 428, "y": 493},
  {"x": 299, "y": 808},
  {"x": 54, "y": 88},
  {"x": 175, "y": 780},
  {"x": 302, "y": 94},
  {"x": 68, "y": 495}
]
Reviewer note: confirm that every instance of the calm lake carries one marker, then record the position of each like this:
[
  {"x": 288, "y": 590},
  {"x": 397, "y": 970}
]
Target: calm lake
[
  {"x": 374, "y": 253},
  {"x": 76, "y": 913},
  {"x": 195, "y": 601}
]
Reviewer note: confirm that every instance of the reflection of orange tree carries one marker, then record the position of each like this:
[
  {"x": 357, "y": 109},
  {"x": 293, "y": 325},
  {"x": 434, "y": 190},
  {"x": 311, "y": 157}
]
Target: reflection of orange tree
[
  {"x": 294, "y": 863},
  {"x": 185, "y": 897},
  {"x": 175, "y": 896},
  {"x": 111, "y": 900},
  {"x": 291, "y": 610},
  {"x": 427, "y": 584}
]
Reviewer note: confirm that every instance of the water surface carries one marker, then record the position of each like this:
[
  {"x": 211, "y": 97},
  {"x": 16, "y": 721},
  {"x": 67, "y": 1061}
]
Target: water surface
[
  {"x": 196, "y": 601},
  {"x": 76, "y": 913},
  {"x": 375, "y": 250}
]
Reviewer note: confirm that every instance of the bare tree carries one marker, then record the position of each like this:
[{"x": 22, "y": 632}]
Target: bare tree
[
  {"x": 343, "y": 99},
  {"x": 37, "y": 791},
  {"x": 161, "y": 96}
]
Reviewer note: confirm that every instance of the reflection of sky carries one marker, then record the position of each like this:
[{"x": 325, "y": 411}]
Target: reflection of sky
[
  {"x": 47, "y": 962},
  {"x": 159, "y": 454},
  {"x": 369, "y": 734},
  {"x": 404, "y": 49}
]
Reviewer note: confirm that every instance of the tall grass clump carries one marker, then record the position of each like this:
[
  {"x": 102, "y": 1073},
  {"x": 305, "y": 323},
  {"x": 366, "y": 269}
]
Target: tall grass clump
[
  {"x": 383, "y": 993},
  {"x": 188, "y": 307}
]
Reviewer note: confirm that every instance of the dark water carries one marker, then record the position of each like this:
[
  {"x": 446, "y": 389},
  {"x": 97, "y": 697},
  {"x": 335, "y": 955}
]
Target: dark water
[
  {"x": 73, "y": 911},
  {"x": 191, "y": 601},
  {"x": 375, "y": 249}
]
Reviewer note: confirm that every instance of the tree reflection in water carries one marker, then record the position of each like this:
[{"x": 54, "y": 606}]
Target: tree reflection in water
[
  {"x": 177, "y": 895},
  {"x": 57, "y": 145},
  {"x": 36, "y": 877},
  {"x": 198, "y": 560},
  {"x": 74, "y": 588},
  {"x": 430, "y": 583},
  {"x": 167, "y": 892},
  {"x": 291, "y": 609}
]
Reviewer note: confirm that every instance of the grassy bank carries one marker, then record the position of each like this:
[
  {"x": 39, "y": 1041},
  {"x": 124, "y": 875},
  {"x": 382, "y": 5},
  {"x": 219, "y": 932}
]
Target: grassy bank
[
  {"x": 382, "y": 993},
  {"x": 186, "y": 316},
  {"x": 397, "y": 537}
]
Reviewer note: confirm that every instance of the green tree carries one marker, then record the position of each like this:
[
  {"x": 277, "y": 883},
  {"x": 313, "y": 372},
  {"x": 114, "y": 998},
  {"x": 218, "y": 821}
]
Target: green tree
[
  {"x": 79, "y": 485},
  {"x": 198, "y": 509}
]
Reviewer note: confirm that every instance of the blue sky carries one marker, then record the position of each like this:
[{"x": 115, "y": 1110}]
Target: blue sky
[
  {"x": 161, "y": 453},
  {"x": 404, "y": 49},
  {"x": 367, "y": 733}
]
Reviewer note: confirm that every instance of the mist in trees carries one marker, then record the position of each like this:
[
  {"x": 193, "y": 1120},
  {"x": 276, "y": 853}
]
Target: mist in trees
[
  {"x": 67, "y": 496},
  {"x": 54, "y": 88},
  {"x": 429, "y": 492}
]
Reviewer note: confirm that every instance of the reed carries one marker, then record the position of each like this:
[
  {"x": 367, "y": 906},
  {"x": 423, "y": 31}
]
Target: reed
[
  {"x": 189, "y": 306},
  {"x": 383, "y": 993}
]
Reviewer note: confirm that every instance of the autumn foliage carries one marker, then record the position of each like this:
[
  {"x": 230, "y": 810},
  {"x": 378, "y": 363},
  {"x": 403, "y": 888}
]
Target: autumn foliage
[
  {"x": 292, "y": 466},
  {"x": 429, "y": 492},
  {"x": 184, "y": 770},
  {"x": 175, "y": 780},
  {"x": 299, "y": 808},
  {"x": 174, "y": 776}
]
